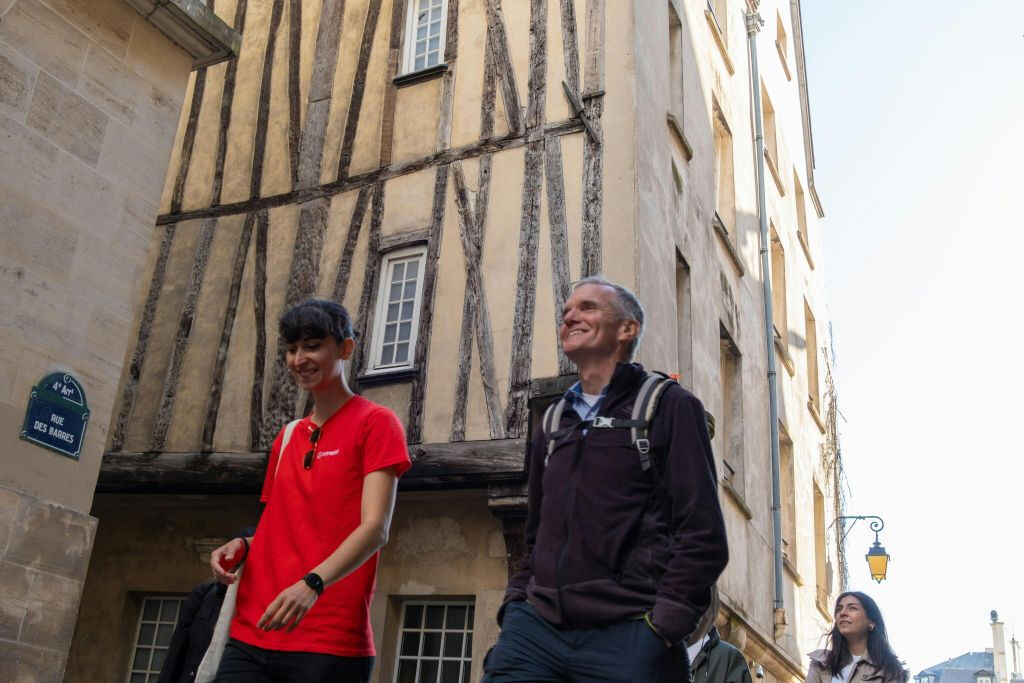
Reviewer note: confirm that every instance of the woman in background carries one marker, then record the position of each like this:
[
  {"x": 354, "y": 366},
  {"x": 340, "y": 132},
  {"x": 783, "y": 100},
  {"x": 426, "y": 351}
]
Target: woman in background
[{"x": 858, "y": 646}]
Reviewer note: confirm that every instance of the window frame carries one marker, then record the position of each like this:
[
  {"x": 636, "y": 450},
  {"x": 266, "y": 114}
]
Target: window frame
[
  {"x": 408, "y": 61},
  {"x": 388, "y": 260},
  {"x": 465, "y": 661},
  {"x": 162, "y": 597}
]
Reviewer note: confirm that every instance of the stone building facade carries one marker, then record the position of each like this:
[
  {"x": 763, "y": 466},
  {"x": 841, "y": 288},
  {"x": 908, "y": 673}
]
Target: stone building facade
[
  {"x": 446, "y": 169},
  {"x": 90, "y": 95}
]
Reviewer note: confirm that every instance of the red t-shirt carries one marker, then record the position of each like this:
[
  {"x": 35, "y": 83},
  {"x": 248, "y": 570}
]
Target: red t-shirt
[{"x": 308, "y": 514}]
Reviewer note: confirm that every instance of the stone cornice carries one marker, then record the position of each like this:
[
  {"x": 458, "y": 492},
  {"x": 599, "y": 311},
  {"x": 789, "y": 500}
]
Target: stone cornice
[{"x": 193, "y": 26}]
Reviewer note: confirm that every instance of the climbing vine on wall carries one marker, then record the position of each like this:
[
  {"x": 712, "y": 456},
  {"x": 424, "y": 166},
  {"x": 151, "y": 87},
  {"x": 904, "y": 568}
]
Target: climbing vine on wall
[{"x": 832, "y": 458}]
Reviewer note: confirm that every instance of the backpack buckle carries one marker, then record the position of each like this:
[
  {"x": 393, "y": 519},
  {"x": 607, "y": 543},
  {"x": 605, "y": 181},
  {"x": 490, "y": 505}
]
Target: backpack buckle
[
  {"x": 601, "y": 422},
  {"x": 644, "y": 446}
]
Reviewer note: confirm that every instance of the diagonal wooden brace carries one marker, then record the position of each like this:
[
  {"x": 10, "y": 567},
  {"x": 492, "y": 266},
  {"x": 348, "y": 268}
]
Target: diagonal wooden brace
[{"x": 577, "y": 106}]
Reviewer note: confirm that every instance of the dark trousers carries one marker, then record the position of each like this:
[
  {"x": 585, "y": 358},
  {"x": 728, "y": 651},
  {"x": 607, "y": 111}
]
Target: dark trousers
[
  {"x": 530, "y": 650},
  {"x": 243, "y": 663}
]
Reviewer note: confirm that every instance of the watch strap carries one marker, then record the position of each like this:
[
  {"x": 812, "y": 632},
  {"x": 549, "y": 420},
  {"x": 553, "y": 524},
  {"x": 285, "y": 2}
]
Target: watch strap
[{"x": 314, "y": 581}]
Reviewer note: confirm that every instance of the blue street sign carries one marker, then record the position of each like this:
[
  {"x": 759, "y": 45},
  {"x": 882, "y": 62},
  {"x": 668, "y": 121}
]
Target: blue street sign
[{"x": 57, "y": 414}]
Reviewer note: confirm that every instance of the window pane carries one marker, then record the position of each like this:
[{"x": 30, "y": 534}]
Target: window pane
[
  {"x": 393, "y": 310},
  {"x": 405, "y": 331},
  {"x": 428, "y": 671},
  {"x": 453, "y": 645},
  {"x": 398, "y": 272},
  {"x": 169, "y": 611},
  {"x": 435, "y": 43},
  {"x": 435, "y": 616},
  {"x": 407, "y": 671},
  {"x": 396, "y": 292},
  {"x": 387, "y": 355},
  {"x": 410, "y": 643},
  {"x": 465, "y": 673},
  {"x": 138, "y": 678},
  {"x": 413, "y": 616},
  {"x": 407, "y": 307},
  {"x": 435, "y": 14},
  {"x": 389, "y": 333},
  {"x": 424, "y": 4},
  {"x": 158, "y": 659},
  {"x": 146, "y": 633},
  {"x": 141, "y": 661},
  {"x": 163, "y": 634},
  {"x": 431, "y": 644},
  {"x": 402, "y": 352},
  {"x": 450, "y": 672},
  {"x": 420, "y": 63},
  {"x": 151, "y": 610},
  {"x": 421, "y": 33},
  {"x": 410, "y": 290},
  {"x": 456, "y": 617},
  {"x": 469, "y": 643}
]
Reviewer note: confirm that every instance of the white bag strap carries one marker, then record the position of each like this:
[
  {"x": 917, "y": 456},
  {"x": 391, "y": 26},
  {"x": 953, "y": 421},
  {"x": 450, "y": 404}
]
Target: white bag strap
[
  {"x": 552, "y": 418},
  {"x": 211, "y": 659},
  {"x": 288, "y": 429}
]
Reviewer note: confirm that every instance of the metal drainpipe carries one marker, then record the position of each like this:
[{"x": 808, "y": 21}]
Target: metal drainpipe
[{"x": 754, "y": 23}]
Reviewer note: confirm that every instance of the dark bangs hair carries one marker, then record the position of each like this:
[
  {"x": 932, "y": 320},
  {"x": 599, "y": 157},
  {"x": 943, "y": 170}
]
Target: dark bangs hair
[
  {"x": 316, "y": 319},
  {"x": 879, "y": 650}
]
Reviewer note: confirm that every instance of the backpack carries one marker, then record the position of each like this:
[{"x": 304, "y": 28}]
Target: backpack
[{"x": 644, "y": 407}]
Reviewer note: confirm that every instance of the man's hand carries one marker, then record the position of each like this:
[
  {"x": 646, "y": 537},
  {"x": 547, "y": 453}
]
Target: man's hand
[
  {"x": 657, "y": 631},
  {"x": 288, "y": 608},
  {"x": 225, "y": 559}
]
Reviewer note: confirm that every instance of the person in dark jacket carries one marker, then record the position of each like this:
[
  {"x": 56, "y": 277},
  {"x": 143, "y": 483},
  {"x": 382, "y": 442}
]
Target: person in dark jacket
[
  {"x": 193, "y": 632},
  {"x": 620, "y": 559},
  {"x": 712, "y": 659}
]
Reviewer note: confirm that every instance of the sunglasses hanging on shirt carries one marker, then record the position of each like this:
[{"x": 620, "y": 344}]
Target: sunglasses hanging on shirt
[{"x": 307, "y": 462}]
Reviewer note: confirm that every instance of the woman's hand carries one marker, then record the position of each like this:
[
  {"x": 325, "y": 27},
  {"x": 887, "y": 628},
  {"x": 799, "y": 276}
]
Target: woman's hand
[
  {"x": 226, "y": 558},
  {"x": 288, "y": 608}
]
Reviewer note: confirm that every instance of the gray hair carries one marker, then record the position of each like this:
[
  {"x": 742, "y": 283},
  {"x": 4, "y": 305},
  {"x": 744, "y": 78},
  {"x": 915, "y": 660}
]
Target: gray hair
[{"x": 625, "y": 303}]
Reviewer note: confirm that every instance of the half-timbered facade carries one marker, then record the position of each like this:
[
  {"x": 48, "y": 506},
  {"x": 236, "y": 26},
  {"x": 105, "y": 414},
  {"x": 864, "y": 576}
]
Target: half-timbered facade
[{"x": 446, "y": 169}]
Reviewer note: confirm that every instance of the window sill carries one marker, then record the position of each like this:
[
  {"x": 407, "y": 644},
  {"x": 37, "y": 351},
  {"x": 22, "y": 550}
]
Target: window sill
[
  {"x": 370, "y": 379},
  {"x": 737, "y": 498},
  {"x": 787, "y": 362},
  {"x": 797, "y": 579},
  {"x": 723, "y": 236},
  {"x": 428, "y": 74},
  {"x": 770, "y": 163},
  {"x": 807, "y": 249},
  {"x": 719, "y": 40},
  {"x": 823, "y": 609},
  {"x": 677, "y": 132},
  {"x": 782, "y": 58},
  {"x": 816, "y": 416}
]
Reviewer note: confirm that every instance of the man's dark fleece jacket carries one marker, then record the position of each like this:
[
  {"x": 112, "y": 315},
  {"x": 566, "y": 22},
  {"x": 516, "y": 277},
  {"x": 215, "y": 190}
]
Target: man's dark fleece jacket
[{"x": 599, "y": 546}]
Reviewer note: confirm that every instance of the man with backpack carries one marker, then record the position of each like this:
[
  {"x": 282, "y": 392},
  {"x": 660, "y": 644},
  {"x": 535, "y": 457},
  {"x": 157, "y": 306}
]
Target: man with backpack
[{"x": 624, "y": 535}]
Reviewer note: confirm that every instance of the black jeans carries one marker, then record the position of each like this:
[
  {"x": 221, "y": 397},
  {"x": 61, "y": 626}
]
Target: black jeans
[
  {"x": 243, "y": 663},
  {"x": 530, "y": 650}
]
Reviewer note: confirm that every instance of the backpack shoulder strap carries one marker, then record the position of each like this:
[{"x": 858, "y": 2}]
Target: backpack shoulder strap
[
  {"x": 552, "y": 418},
  {"x": 288, "y": 430},
  {"x": 644, "y": 407}
]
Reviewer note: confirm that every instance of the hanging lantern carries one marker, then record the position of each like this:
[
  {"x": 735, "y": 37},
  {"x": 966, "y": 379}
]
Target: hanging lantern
[{"x": 878, "y": 561}]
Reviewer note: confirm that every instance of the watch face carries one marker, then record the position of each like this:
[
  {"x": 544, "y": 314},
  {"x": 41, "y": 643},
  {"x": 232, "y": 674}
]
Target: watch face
[{"x": 314, "y": 582}]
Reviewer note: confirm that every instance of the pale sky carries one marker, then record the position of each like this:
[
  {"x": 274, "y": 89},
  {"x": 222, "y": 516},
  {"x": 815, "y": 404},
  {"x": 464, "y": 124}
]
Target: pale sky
[{"x": 918, "y": 116}]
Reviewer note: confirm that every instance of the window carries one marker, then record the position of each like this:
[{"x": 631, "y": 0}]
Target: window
[
  {"x": 779, "y": 318},
  {"x": 811, "y": 335},
  {"x": 801, "y": 218},
  {"x": 436, "y": 645},
  {"x": 787, "y": 481},
  {"x": 782, "y": 44},
  {"x": 820, "y": 562},
  {"x": 424, "y": 34},
  {"x": 984, "y": 679},
  {"x": 684, "y": 322},
  {"x": 156, "y": 624},
  {"x": 398, "y": 310},
  {"x": 719, "y": 13},
  {"x": 771, "y": 144},
  {"x": 725, "y": 190},
  {"x": 731, "y": 430},
  {"x": 675, "y": 64}
]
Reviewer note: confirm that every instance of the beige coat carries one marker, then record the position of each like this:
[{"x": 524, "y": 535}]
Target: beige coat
[{"x": 864, "y": 672}]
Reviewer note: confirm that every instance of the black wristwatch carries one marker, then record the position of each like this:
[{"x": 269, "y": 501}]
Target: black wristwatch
[{"x": 314, "y": 581}]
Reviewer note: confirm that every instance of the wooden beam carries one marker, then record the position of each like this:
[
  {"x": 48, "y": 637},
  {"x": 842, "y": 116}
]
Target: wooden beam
[
  {"x": 227, "y": 101},
  {"x": 570, "y": 45},
  {"x": 529, "y": 228},
  {"x": 469, "y": 151},
  {"x": 259, "y": 350},
  {"x": 131, "y": 384},
  {"x": 182, "y": 335},
  {"x": 593, "y": 156},
  {"x": 234, "y": 289},
  {"x": 321, "y": 87},
  {"x": 263, "y": 109},
  {"x": 355, "y": 103},
  {"x": 498, "y": 41},
  {"x": 560, "y": 279},
  {"x": 364, "y": 320},
  {"x": 294, "y": 105},
  {"x": 471, "y": 463},
  {"x": 189, "y": 140},
  {"x": 387, "y": 121},
  {"x": 351, "y": 239}
]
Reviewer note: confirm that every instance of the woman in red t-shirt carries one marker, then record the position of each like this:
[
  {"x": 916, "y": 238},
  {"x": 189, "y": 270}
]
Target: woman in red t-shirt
[{"x": 302, "y": 611}]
